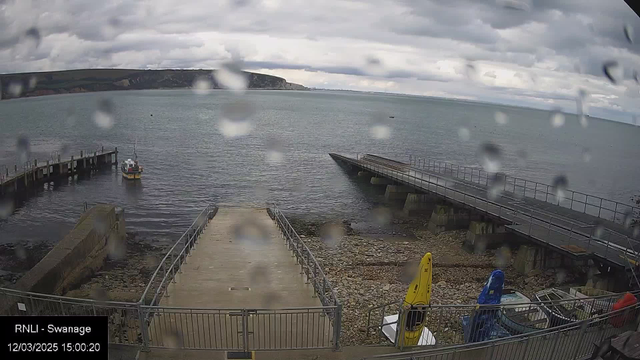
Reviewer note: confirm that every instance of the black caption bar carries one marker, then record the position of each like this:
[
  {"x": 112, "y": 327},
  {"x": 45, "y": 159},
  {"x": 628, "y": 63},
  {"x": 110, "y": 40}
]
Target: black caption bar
[{"x": 54, "y": 337}]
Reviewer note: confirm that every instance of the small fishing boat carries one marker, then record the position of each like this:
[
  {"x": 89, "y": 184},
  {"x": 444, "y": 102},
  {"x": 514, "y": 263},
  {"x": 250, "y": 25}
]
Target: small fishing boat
[
  {"x": 602, "y": 304},
  {"x": 560, "y": 306},
  {"x": 131, "y": 170},
  {"x": 520, "y": 319}
]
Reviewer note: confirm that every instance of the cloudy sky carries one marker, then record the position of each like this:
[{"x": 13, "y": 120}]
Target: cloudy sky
[{"x": 537, "y": 53}]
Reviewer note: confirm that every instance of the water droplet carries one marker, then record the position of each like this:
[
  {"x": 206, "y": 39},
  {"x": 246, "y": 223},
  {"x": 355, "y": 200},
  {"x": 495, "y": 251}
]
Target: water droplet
[
  {"x": 171, "y": 338},
  {"x": 613, "y": 71},
  {"x": 557, "y": 118},
  {"x": 521, "y": 5},
  {"x": 151, "y": 262},
  {"x": 409, "y": 272},
  {"x": 577, "y": 68},
  {"x": 21, "y": 252},
  {"x": 503, "y": 257},
  {"x": 636, "y": 232},
  {"x": 496, "y": 186},
  {"x": 100, "y": 294},
  {"x": 479, "y": 246},
  {"x": 231, "y": 77},
  {"x": 586, "y": 155},
  {"x": 584, "y": 122},
  {"x": 103, "y": 116},
  {"x": 598, "y": 232},
  {"x": 373, "y": 66},
  {"x": 23, "y": 148},
  {"x": 15, "y": 89},
  {"x": 201, "y": 85},
  {"x": 331, "y": 234},
  {"x": 71, "y": 116},
  {"x": 269, "y": 299},
  {"x": 259, "y": 277},
  {"x": 628, "y": 33},
  {"x": 116, "y": 246},
  {"x": 235, "y": 119},
  {"x": 464, "y": 134},
  {"x": 33, "y": 81},
  {"x": 274, "y": 152},
  {"x": 471, "y": 71},
  {"x": 628, "y": 219},
  {"x": 560, "y": 184},
  {"x": 561, "y": 276},
  {"x": 6, "y": 208},
  {"x": 490, "y": 156},
  {"x": 250, "y": 232},
  {"x": 33, "y": 34},
  {"x": 523, "y": 156},
  {"x": 501, "y": 118},
  {"x": 380, "y": 132},
  {"x": 635, "y": 76},
  {"x": 65, "y": 151},
  {"x": 381, "y": 216}
]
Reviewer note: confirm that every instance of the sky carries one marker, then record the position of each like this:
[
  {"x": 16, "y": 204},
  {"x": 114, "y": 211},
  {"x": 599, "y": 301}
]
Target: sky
[{"x": 535, "y": 53}]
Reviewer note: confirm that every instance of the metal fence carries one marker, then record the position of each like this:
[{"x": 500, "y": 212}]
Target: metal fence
[
  {"x": 611, "y": 210},
  {"x": 459, "y": 324},
  {"x": 547, "y": 228},
  {"x": 575, "y": 340},
  {"x": 175, "y": 257}
]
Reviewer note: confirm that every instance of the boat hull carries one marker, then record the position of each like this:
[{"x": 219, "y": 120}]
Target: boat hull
[
  {"x": 418, "y": 295},
  {"x": 132, "y": 176}
]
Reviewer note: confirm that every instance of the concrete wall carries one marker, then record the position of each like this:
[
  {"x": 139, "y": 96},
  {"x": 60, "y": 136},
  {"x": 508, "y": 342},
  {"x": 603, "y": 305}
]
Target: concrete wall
[{"x": 98, "y": 233}]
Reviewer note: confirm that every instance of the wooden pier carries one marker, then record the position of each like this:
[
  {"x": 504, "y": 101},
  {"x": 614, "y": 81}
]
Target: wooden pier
[{"x": 37, "y": 173}]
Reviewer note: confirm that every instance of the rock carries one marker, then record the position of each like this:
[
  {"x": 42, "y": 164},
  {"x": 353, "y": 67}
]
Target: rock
[
  {"x": 386, "y": 287},
  {"x": 535, "y": 272},
  {"x": 362, "y": 329}
]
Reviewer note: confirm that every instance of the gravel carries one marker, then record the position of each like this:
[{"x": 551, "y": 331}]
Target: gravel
[{"x": 368, "y": 270}]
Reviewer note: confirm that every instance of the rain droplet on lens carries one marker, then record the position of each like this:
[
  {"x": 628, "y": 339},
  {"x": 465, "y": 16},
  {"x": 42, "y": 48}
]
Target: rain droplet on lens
[
  {"x": 409, "y": 272},
  {"x": 471, "y": 71},
  {"x": 501, "y": 118},
  {"x": 598, "y": 232},
  {"x": 103, "y": 116},
  {"x": 33, "y": 34},
  {"x": 23, "y": 148},
  {"x": 584, "y": 122},
  {"x": 21, "y": 252},
  {"x": 613, "y": 71},
  {"x": 522, "y": 5},
  {"x": 201, "y": 85},
  {"x": 523, "y": 156},
  {"x": 373, "y": 66},
  {"x": 151, "y": 262},
  {"x": 331, "y": 234},
  {"x": 231, "y": 77},
  {"x": 6, "y": 208},
  {"x": 503, "y": 257},
  {"x": 586, "y": 155},
  {"x": 116, "y": 247},
  {"x": 381, "y": 216},
  {"x": 628, "y": 218},
  {"x": 635, "y": 76},
  {"x": 259, "y": 276},
  {"x": 100, "y": 294},
  {"x": 560, "y": 184},
  {"x": 65, "y": 151},
  {"x": 380, "y": 132},
  {"x": 251, "y": 232},
  {"x": 234, "y": 120},
  {"x": 71, "y": 116},
  {"x": 14, "y": 89},
  {"x": 496, "y": 186},
  {"x": 561, "y": 276},
  {"x": 557, "y": 118},
  {"x": 33, "y": 81},
  {"x": 464, "y": 134},
  {"x": 479, "y": 246},
  {"x": 490, "y": 156},
  {"x": 636, "y": 232},
  {"x": 171, "y": 338},
  {"x": 274, "y": 151},
  {"x": 269, "y": 299},
  {"x": 628, "y": 33}
]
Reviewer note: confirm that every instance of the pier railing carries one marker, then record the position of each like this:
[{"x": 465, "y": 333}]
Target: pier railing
[
  {"x": 604, "y": 243},
  {"x": 607, "y": 209},
  {"x": 170, "y": 264},
  {"x": 571, "y": 341}
]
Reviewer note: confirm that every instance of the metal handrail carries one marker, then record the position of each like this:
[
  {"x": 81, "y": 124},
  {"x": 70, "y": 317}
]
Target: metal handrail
[
  {"x": 557, "y": 228},
  {"x": 190, "y": 236},
  {"x": 292, "y": 237},
  {"x": 544, "y": 188},
  {"x": 550, "y": 333}
]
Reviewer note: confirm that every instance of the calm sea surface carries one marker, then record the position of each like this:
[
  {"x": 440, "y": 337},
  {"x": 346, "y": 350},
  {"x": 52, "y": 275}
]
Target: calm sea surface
[{"x": 188, "y": 163}]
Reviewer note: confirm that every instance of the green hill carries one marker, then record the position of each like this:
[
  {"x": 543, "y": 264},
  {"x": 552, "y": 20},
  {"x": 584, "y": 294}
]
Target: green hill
[{"x": 88, "y": 80}]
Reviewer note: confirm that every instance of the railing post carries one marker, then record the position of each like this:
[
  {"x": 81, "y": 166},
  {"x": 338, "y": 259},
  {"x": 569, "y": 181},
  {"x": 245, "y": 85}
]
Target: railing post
[
  {"x": 337, "y": 327},
  {"x": 600, "y": 207},
  {"x": 546, "y": 193},
  {"x": 143, "y": 327},
  {"x": 245, "y": 330},
  {"x": 573, "y": 193}
]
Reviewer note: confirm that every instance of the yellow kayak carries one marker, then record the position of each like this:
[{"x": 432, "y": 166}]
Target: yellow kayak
[{"x": 419, "y": 294}]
